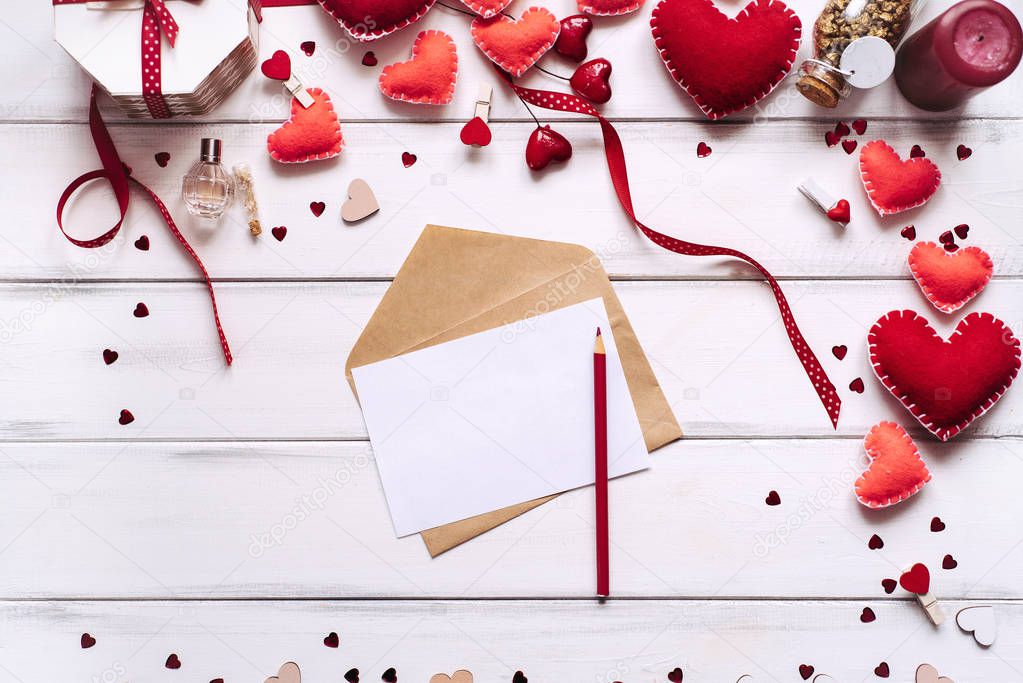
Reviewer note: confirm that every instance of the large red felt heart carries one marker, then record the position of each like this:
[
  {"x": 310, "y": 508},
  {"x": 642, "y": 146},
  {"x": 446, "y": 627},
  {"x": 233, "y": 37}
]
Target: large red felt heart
[
  {"x": 371, "y": 19},
  {"x": 429, "y": 77},
  {"x": 725, "y": 64},
  {"x": 515, "y": 45},
  {"x": 894, "y": 185},
  {"x": 946, "y": 385},
  {"x": 608, "y": 8},
  {"x": 896, "y": 469},
  {"x": 487, "y": 8},
  {"x": 310, "y": 134},
  {"x": 950, "y": 279}
]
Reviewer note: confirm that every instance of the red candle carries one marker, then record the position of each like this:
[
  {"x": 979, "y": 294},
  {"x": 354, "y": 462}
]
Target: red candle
[{"x": 972, "y": 46}]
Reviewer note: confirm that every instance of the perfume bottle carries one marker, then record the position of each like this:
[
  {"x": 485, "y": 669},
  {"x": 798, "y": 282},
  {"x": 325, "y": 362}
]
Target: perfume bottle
[{"x": 207, "y": 188}]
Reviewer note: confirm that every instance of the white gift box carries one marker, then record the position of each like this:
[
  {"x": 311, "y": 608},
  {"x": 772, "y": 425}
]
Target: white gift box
[{"x": 216, "y": 48}]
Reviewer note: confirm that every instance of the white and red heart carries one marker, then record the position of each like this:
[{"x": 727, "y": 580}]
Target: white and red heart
[
  {"x": 312, "y": 133},
  {"x": 945, "y": 384},
  {"x": 950, "y": 280},
  {"x": 429, "y": 76},
  {"x": 896, "y": 470},
  {"x": 371, "y": 19},
  {"x": 608, "y": 8},
  {"x": 516, "y": 44},
  {"x": 894, "y": 184},
  {"x": 726, "y": 64}
]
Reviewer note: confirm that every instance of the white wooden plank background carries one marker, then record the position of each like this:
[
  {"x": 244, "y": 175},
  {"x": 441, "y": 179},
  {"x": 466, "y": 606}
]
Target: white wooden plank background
[{"x": 169, "y": 535}]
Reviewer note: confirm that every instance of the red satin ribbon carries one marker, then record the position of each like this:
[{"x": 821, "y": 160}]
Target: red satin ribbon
[
  {"x": 615, "y": 154},
  {"x": 118, "y": 175}
]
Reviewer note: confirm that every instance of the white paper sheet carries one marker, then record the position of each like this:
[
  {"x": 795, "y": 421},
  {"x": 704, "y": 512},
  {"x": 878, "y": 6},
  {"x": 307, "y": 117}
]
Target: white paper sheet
[{"x": 495, "y": 418}]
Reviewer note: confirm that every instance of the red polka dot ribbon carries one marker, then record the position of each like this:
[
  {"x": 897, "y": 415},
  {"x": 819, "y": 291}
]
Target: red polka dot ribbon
[
  {"x": 119, "y": 175},
  {"x": 615, "y": 153}
]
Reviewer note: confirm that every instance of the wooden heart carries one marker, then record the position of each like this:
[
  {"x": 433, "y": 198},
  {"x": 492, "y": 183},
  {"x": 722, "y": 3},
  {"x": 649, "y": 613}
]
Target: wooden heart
[
  {"x": 310, "y": 134},
  {"x": 515, "y": 45},
  {"x": 288, "y": 673},
  {"x": 894, "y": 185},
  {"x": 361, "y": 202},
  {"x": 980, "y": 621},
  {"x": 460, "y": 676},
  {"x": 429, "y": 76},
  {"x": 950, "y": 280},
  {"x": 926, "y": 673},
  {"x": 896, "y": 469}
]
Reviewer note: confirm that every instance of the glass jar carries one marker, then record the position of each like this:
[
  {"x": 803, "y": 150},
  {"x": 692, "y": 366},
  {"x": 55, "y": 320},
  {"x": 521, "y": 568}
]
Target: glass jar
[{"x": 825, "y": 80}]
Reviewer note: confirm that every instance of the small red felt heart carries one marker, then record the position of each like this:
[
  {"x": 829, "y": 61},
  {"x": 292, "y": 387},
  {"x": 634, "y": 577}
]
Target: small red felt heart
[
  {"x": 608, "y": 8},
  {"x": 546, "y": 145},
  {"x": 87, "y": 641},
  {"x": 805, "y": 671},
  {"x": 860, "y": 126},
  {"x": 125, "y": 417},
  {"x": 840, "y": 212},
  {"x": 141, "y": 310},
  {"x": 889, "y": 585},
  {"x": 867, "y": 615},
  {"x": 331, "y": 640},
  {"x": 896, "y": 470},
  {"x": 909, "y": 232},
  {"x": 109, "y": 356},
  {"x": 278, "y": 67},
  {"x": 317, "y": 208},
  {"x": 963, "y": 152},
  {"x": 487, "y": 8},
  {"x": 172, "y": 662},
  {"x": 279, "y": 232},
  {"x": 476, "y": 133},
  {"x": 591, "y": 80},
  {"x": 937, "y": 525},
  {"x": 894, "y": 185},
  {"x": 839, "y": 351},
  {"x": 950, "y": 280},
  {"x": 515, "y": 45},
  {"x": 571, "y": 40},
  {"x": 408, "y": 159},
  {"x": 849, "y": 146},
  {"x": 949, "y": 562},
  {"x": 308, "y": 47},
  {"x": 162, "y": 158},
  {"x": 945, "y": 385},
  {"x": 142, "y": 243},
  {"x": 773, "y": 498},
  {"x": 875, "y": 542},
  {"x": 429, "y": 76},
  {"x": 310, "y": 134},
  {"x": 917, "y": 580},
  {"x": 726, "y": 64},
  {"x": 371, "y": 19},
  {"x": 703, "y": 150}
]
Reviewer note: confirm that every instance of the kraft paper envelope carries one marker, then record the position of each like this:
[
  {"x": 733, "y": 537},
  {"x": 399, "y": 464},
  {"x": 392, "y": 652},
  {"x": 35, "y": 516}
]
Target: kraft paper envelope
[{"x": 458, "y": 282}]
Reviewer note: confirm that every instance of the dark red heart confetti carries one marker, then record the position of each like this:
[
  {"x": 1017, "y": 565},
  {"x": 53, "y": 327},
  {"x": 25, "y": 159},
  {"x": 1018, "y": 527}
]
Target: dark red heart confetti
[
  {"x": 519, "y": 677},
  {"x": 773, "y": 498},
  {"x": 278, "y": 67},
  {"x": 352, "y": 676},
  {"x": 125, "y": 418},
  {"x": 546, "y": 145},
  {"x": 909, "y": 232},
  {"x": 917, "y": 579},
  {"x": 951, "y": 247},
  {"x": 141, "y": 310},
  {"x": 849, "y": 146},
  {"x": 408, "y": 158},
  {"x": 917, "y": 152},
  {"x": 949, "y": 562},
  {"x": 109, "y": 356},
  {"x": 882, "y": 670},
  {"x": 860, "y": 126},
  {"x": 875, "y": 542},
  {"x": 87, "y": 641},
  {"x": 831, "y": 138},
  {"x": 937, "y": 525},
  {"x": 317, "y": 208},
  {"x": 331, "y": 640},
  {"x": 963, "y": 152},
  {"x": 279, "y": 232},
  {"x": 805, "y": 671},
  {"x": 369, "y": 59},
  {"x": 675, "y": 675},
  {"x": 946, "y": 237},
  {"x": 592, "y": 80},
  {"x": 142, "y": 243},
  {"x": 571, "y": 40},
  {"x": 217, "y": 680},
  {"x": 308, "y": 47},
  {"x": 962, "y": 230},
  {"x": 867, "y": 615},
  {"x": 162, "y": 158},
  {"x": 172, "y": 662},
  {"x": 889, "y": 585},
  {"x": 857, "y": 385},
  {"x": 476, "y": 133},
  {"x": 839, "y": 351},
  {"x": 390, "y": 676},
  {"x": 840, "y": 212},
  {"x": 703, "y": 150},
  {"x": 841, "y": 129}
]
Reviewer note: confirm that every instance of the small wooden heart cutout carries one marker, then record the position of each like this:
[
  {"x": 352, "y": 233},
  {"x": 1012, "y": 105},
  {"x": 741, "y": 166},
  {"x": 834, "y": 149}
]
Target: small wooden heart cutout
[
  {"x": 926, "y": 673},
  {"x": 980, "y": 621},
  {"x": 361, "y": 202},
  {"x": 460, "y": 676},
  {"x": 288, "y": 673}
]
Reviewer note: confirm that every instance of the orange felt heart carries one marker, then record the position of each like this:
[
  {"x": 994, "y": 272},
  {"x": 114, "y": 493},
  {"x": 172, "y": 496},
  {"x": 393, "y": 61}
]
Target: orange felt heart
[
  {"x": 486, "y": 8},
  {"x": 896, "y": 469},
  {"x": 894, "y": 185},
  {"x": 607, "y": 8},
  {"x": 429, "y": 77},
  {"x": 516, "y": 45},
  {"x": 950, "y": 279},
  {"x": 310, "y": 134}
]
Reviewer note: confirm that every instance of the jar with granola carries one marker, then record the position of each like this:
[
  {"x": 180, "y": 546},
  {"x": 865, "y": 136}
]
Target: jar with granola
[{"x": 854, "y": 46}]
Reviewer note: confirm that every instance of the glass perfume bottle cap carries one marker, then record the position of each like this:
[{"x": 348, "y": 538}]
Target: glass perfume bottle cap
[{"x": 210, "y": 150}]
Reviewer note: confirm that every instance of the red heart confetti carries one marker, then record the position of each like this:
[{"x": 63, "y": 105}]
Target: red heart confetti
[
  {"x": 352, "y": 676},
  {"x": 849, "y": 146},
  {"x": 917, "y": 579},
  {"x": 946, "y": 237},
  {"x": 87, "y": 641},
  {"x": 703, "y": 150},
  {"x": 875, "y": 542},
  {"x": 962, "y": 230},
  {"x": 408, "y": 158},
  {"x": 545, "y": 146},
  {"x": 279, "y": 232},
  {"x": 278, "y": 67},
  {"x": 317, "y": 208},
  {"x": 805, "y": 671},
  {"x": 675, "y": 675},
  {"x": 917, "y": 152},
  {"x": 909, "y": 232},
  {"x": 937, "y": 525},
  {"x": 162, "y": 159},
  {"x": 172, "y": 662},
  {"x": 390, "y": 676},
  {"x": 949, "y": 562},
  {"x": 773, "y": 498},
  {"x": 516, "y": 44},
  {"x": 951, "y": 247},
  {"x": 857, "y": 385},
  {"x": 860, "y": 126},
  {"x": 519, "y": 677},
  {"x": 882, "y": 670},
  {"x": 308, "y": 47},
  {"x": 141, "y": 310},
  {"x": 591, "y": 80},
  {"x": 369, "y": 59},
  {"x": 889, "y": 585},
  {"x": 125, "y": 418},
  {"x": 831, "y": 138},
  {"x": 142, "y": 243},
  {"x": 475, "y": 133},
  {"x": 867, "y": 615},
  {"x": 217, "y": 680},
  {"x": 950, "y": 280},
  {"x": 109, "y": 356},
  {"x": 331, "y": 640},
  {"x": 841, "y": 129},
  {"x": 894, "y": 185},
  {"x": 839, "y": 351},
  {"x": 963, "y": 152},
  {"x": 840, "y": 212},
  {"x": 571, "y": 40}
]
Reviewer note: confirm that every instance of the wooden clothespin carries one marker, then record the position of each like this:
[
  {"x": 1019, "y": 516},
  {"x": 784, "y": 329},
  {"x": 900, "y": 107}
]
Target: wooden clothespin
[
  {"x": 298, "y": 91},
  {"x": 483, "y": 98},
  {"x": 835, "y": 209},
  {"x": 917, "y": 580}
]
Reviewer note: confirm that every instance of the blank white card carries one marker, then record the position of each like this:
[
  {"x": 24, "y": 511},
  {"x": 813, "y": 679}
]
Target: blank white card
[{"x": 496, "y": 418}]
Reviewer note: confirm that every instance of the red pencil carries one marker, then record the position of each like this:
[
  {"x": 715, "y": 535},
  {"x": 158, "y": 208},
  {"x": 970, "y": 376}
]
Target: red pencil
[{"x": 600, "y": 462}]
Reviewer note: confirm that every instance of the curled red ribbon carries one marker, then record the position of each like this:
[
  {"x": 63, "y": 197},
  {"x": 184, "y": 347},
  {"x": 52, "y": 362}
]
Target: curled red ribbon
[
  {"x": 615, "y": 153},
  {"x": 118, "y": 175}
]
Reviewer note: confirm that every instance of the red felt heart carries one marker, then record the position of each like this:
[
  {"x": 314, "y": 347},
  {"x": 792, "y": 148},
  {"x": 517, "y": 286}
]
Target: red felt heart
[
  {"x": 515, "y": 45},
  {"x": 840, "y": 212},
  {"x": 310, "y": 134},
  {"x": 278, "y": 67},
  {"x": 429, "y": 76},
  {"x": 726, "y": 64},
  {"x": 950, "y": 279},
  {"x": 608, "y": 8},
  {"x": 486, "y": 8},
  {"x": 476, "y": 132},
  {"x": 896, "y": 469},
  {"x": 946, "y": 385},
  {"x": 894, "y": 185},
  {"x": 571, "y": 40},
  {"x": 591, "y": 80},
  {"x": 546, "y": 145},
  {"x": 372, "y": 19},
  {"x": 917, "y": 580}
]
